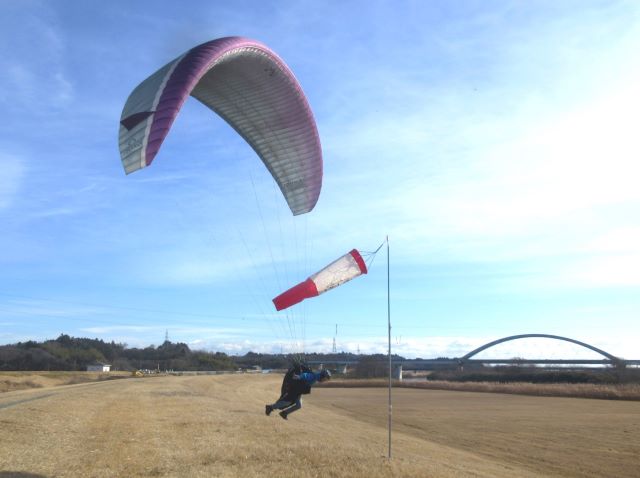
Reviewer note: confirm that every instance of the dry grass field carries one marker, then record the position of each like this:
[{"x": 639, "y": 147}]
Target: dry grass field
[
  {"x": 624, "y": 391},
  {"x": 215, "y": 426},
  {"x": 23, "y": 380}
]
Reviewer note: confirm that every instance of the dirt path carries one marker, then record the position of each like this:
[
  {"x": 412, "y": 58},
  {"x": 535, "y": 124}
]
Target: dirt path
[{"x": 215, "y": 426}]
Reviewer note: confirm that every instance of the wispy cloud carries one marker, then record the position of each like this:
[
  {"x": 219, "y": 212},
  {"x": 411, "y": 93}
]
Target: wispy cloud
[
  {"x": 617, "y": 270},
  {"x": 509, "y": 182},
  {"x": 38, "y": 308},
  {"x": 31, "y": 59},
  {"x": 432, "y": 347},
  {"x": 13, "y": 170}
]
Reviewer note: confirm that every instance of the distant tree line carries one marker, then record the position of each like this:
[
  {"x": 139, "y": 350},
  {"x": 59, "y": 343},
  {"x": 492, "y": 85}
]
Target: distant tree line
[
  {"x": 73, "y": 353},
  {"x": 529, "y": 374},
  {"x": 284, "y": 361},
  {"x": 70, "y": 353}
]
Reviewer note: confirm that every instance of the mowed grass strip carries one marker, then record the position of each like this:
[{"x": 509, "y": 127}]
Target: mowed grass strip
[
  {"x": 624, "y": 391},
  {"x": 215, "y": 426}
]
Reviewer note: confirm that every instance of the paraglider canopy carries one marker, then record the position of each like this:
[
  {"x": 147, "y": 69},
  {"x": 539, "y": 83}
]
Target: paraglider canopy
[{"x": 253, "y": 90}]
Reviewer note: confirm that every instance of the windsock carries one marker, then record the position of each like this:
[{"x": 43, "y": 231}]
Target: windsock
[{"x": 341, "y": 270}]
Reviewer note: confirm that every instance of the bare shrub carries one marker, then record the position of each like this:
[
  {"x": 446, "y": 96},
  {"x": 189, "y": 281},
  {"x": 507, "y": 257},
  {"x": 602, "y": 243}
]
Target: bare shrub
[
  {"x": 372, "y": 366},
  {"x": 9, "y": 385}
]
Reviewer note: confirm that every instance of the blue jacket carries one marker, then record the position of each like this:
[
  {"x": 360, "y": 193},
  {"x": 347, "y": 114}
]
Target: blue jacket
[{"x": 310, "y": 378}]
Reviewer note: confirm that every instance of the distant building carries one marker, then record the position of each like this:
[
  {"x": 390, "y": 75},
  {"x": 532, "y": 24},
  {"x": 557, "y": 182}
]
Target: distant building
[{"x": 99, "y": 367}]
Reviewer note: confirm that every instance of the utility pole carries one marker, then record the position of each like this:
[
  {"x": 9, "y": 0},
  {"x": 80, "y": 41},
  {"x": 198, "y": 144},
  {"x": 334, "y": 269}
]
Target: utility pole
[
  {"x": 335, "y": 350},
  {"x": 389, "y": 338}
]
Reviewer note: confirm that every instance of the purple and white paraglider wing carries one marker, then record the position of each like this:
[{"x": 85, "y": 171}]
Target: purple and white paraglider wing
[{"x": 253, "y": 90}]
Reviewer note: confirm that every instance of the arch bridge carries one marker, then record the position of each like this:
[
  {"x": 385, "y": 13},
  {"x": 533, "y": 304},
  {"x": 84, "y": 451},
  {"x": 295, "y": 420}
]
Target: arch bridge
[{"x": 607, "y": 358}]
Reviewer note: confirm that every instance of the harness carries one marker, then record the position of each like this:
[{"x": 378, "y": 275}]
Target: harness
[{"x": 291, "y": 388}]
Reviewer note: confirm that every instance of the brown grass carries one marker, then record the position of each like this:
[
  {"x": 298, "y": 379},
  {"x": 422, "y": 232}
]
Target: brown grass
[
  {"x": 10, "y": 381},
  {"x": 629, "y": 391},
  {"x": 203, "y": 426}
]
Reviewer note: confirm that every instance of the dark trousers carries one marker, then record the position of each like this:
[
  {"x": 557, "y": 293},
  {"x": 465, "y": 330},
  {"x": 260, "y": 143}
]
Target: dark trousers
[{"x": 288, "y": 404}]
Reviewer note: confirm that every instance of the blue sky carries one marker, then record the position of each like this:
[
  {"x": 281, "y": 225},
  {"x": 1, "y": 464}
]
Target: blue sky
[{"x": 494, "y": 142}]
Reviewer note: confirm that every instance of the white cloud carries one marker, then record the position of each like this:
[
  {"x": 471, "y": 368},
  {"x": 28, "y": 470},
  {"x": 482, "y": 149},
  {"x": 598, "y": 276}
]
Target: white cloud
[
  {"x": 120, "y": 329},
  {"x": 434, "y": 347},
  {"x": 559, "y": 186},
  {"x": 13, "y": 172},
  {"x": 194, "y": 264},
  {"x": 447, "y": 346},
  {"x": 530, "y": 164},
  {"x": 176, "y": 332},
  {"x": 623, "y": 239},
  {"x": 614, "y": 270},
  {"x": 42, "y": 308},
  {"x": 34, "y": 81}
]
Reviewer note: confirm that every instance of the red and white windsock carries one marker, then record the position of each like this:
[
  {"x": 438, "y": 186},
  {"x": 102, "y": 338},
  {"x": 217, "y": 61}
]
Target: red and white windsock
[{"x": 342, "y": 270}]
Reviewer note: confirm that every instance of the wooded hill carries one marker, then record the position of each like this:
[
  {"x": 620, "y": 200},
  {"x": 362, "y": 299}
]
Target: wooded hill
[{"x": 71, "y": 353}]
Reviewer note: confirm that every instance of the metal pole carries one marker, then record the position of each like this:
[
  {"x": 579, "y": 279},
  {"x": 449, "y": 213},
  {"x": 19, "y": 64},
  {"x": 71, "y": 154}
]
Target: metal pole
[{"x": 389, "y": 341}]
